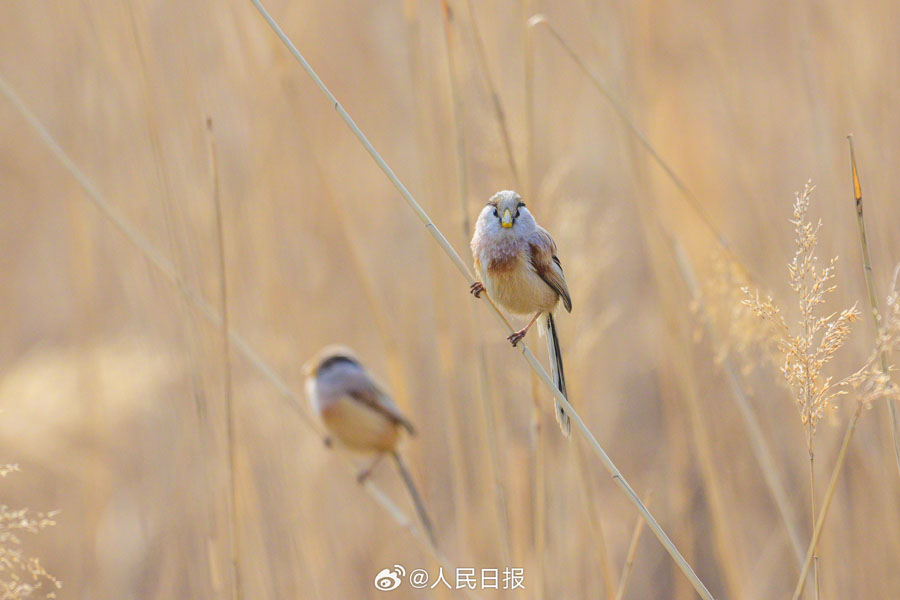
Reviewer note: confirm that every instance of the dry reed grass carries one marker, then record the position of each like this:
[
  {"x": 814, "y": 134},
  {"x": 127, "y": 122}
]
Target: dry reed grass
[{"x": 115, "y": 383}]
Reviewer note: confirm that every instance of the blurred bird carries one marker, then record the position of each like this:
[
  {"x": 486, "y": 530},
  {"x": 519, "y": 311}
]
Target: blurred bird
[
  {"x": 516, "y": 263},
  {"x": 357, "y": 411}
]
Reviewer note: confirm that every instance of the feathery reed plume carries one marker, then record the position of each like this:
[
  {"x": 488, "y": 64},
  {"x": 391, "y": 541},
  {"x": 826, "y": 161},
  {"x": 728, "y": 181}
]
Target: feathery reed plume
[
  {"x": 872, "y": 382},
  {"x": 743, "y": 334},
  {"x": 236, "y": 591},
  {"x": 820, "y": 336},
  {"x": 464, "y": 271},
  {"x": 870, "y": 289},
  {"x": 807, "y": 352},
  {"x": 22, "y": 576},
  {"x": 165, "y": 267}
]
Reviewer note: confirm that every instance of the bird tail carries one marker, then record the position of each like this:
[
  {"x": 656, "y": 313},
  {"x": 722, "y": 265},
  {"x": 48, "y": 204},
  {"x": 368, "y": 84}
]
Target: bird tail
[
  {"x": 559, "y": 377},
  {"x": 416, "y": 498}
]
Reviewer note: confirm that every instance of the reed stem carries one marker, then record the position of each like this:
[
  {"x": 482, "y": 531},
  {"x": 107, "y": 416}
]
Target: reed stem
[
  {"x": 873, "y": 297},
  {"x": 617, "y": 476}
]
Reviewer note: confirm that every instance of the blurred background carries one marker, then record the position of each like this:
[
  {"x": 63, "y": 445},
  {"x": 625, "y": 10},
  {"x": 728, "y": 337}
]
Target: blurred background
[{"x": 114, "y": 387}]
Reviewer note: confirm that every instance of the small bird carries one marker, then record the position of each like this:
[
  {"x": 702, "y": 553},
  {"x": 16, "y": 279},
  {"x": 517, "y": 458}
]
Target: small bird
[
  {"x": 516, "y": 263},
  {"x": 357, "y": 410}
]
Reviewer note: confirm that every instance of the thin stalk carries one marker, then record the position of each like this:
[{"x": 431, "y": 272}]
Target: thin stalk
[
  {"x": 538, "y": 432},
  {"x": 632, "y": 551},
  {"x": 240, "y": 345},
  {"x": 620, "y": 109},
  {"x": 502, "y": 516},
  {"x": 462, "y": 175},
  {"x": 812, "y": 503},
  {"x": 499, "y": 113},
  {"x": 829, "y": 494},
  {"x": 236, "y": 591},
  {"x": 873, "y": 297},
  {"x": 758, "y": 442},
  {"x": 445, "y": 353},
  {"x": 539, "y": 499},
  {"x": 599, "y": 543},
  {"x": 704, "y": 455},
  {"x": 529, "y": 95},
  {"x": 467, "y": 275}
]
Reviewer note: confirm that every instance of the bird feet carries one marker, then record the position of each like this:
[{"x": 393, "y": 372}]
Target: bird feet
[
  {"x": 476, "y": 288},
  {"x": 517, "y": 337}
]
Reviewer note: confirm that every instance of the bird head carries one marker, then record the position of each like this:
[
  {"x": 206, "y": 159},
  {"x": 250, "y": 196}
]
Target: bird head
[{"x": 507, "y": 207}]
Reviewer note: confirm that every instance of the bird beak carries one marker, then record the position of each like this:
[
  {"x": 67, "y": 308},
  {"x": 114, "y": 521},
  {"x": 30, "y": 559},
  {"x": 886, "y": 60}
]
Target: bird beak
[{"x": 506, "y": 221}]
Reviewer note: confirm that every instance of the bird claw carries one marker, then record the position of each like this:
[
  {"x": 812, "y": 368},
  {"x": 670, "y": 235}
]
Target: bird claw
[
  {"x": 516, "y": 337},
  {"x": 476, "y": 288}
]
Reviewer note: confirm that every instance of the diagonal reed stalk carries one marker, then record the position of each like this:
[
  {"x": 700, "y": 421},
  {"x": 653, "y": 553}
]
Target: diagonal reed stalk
[
  {"x": 751, "y": 422},
  {"x": 240, "y": 345},
  {"x": 620, "y": 109},
  {"x": 464, "y": 271},
  {"x": 234, "y": 537},
  {"x": 873, "y": 298}
]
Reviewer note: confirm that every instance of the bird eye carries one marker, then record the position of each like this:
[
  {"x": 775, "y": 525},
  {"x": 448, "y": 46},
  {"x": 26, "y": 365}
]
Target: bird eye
[
  {"x": 495, "y": 212},
  {"x": 517, "y": 213}
]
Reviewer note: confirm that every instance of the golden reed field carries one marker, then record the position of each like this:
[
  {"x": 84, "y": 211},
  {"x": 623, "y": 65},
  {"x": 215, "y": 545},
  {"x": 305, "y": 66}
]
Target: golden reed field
[{"x": 167, "y": 163}]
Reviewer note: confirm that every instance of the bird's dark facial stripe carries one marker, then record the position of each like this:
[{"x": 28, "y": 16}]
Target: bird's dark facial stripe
[{"x": 334, "y": 360}]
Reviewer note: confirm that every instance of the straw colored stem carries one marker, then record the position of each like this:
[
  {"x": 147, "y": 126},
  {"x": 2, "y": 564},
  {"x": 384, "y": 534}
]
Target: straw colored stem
[
  {"x": 620, "y": 109},
  {"x": 632, "y": 551},
  {"x": 165, "y": 267},
  {"x": 462, "y": 175},
  {"x": 499, "y": 113},
  {"x": 467, "y": 275},
  {"x": 873, "y": 297},
  {"x": 236, "y": 591},
  {"x": 829, "y": 494},
  {"x": 501, "y": 515},
  {"x": 538, "y": 432},
  {"x": 812, "y": 503},
  {"x": 599, "y": 541},
  {"x": 758, "y": 442},
  {"x": 529, "y": 96}
]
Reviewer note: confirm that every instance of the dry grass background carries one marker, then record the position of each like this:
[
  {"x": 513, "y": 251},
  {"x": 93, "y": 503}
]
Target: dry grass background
[{"x": 111, "y": 384}]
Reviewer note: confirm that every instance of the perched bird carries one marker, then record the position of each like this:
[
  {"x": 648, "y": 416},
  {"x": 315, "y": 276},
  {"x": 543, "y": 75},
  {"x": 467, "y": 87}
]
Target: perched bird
[
  {"x": 516, "y": 263},
  {"x": 357, "y": 411}
]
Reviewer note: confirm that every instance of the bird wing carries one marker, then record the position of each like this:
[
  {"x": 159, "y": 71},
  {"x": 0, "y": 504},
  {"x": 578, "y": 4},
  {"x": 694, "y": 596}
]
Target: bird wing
[
  {"x": 546, "y": 264},
  {"x": 370, "y": 394}
]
